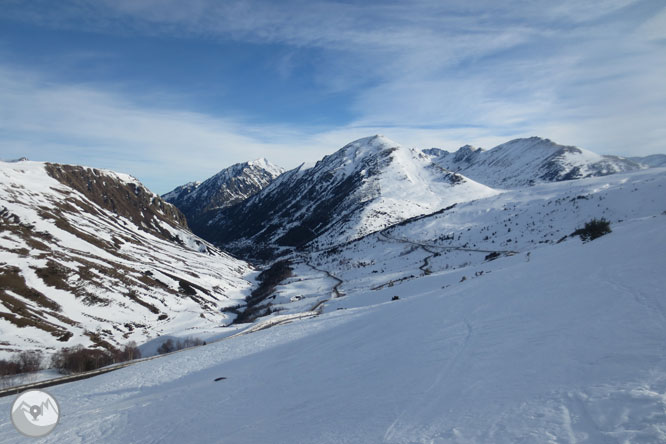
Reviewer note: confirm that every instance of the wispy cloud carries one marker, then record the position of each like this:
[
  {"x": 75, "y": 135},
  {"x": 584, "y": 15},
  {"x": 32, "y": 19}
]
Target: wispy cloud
[
  {"x": 425, "y": 73},
  {"x": 161, "y": 146},
  {"x": 70, "y": 123}
]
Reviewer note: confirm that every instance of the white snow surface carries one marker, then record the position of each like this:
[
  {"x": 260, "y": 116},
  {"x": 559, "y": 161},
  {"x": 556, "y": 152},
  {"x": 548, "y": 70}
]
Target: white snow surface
[
  {"x": 410, "y": 186},
  {"x": 394, "y": 183},
  {"x": 110, "y": 270},
  {"x": 522, "y": 162},
  {"x": 557, "y": 343},
  {"x": 651, "y": 161},
  {"x": 263, "y": 163}
]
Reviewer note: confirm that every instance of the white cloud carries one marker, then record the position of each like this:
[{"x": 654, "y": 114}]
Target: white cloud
[
  {"x": 164, "y": 147},
  {"x": 433, "y": 74}
]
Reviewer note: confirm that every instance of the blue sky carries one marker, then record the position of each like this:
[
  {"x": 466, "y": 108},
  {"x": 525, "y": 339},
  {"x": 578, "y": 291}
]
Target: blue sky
[{"x": 172, "y": 91}]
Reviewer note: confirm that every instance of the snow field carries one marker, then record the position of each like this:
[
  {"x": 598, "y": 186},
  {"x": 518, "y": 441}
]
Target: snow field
[{"x": 567, "y": 345}]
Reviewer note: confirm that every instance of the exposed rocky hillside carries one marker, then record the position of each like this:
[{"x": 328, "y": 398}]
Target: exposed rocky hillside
[
  {"x": 92, "y": 257},
  {"x": 226, "y": 188},
  {"x": 122, "y": 195}
]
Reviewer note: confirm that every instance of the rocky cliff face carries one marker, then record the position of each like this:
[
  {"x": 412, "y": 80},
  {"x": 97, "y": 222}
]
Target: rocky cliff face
[
  {"x": 121, "y": 194},
  {"x": 226, "y": 188}
]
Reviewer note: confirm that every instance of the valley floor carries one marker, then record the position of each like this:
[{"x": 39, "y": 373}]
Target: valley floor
[{"x": 566, "y": 345}]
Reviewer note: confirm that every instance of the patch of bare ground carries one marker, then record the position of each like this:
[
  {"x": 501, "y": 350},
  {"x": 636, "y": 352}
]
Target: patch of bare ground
[
  {"x": 268, "y": 280},
  {"x": 126, "y": 199}
]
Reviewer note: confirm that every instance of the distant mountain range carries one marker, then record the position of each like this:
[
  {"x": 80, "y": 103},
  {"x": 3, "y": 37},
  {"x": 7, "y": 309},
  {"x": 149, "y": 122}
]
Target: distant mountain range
[
  {"x": 226, "y": 188},
  {"x": 365, "y": 186},
  {"x": 93, "y": 257},
  {"x": 505, "y": 295},
  {"x": 368, "y": 185},
  {"x": 652, "y": 161},
  {"x": 524, "y": 162}
]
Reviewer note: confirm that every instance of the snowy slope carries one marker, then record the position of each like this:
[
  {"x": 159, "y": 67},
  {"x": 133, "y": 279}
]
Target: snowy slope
[
  {"x": 226, "y": 188},
  {"x": 367, "y": 185},
  {"x": 564, "y": 345},
  {"x": 459, "y": 240},
  {"x": 90, "y": 256},
  {"x": 181, "y": 192},
  {"x": 652, "y": 161},
  {"x": 524, "y": 162}
]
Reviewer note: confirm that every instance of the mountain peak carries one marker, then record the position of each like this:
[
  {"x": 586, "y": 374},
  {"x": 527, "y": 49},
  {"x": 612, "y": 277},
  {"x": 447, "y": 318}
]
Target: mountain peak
[
  {"x": 120, "y": 193},
  {"x": 536, "y": 142},
  {"x": 228, "y": 187},
  {"x": 365, "y": 186},
  {"x": 467, "y": 153},
  {"x": 355, "y": 153},
  {"x": 263, "y": 163},
  {"x": 376, "y": 142},
  {"x": 260, "y": 161},
  {"x": 526, "y": 161}
]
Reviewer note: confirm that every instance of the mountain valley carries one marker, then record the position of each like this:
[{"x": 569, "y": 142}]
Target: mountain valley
[{"x": 383, "y": 294}]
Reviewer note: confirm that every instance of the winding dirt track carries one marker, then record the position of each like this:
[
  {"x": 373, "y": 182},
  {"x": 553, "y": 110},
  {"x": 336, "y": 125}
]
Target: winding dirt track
[
  {"x": 429, "y": 249},
  {"x": 319, "y": 306},
  {"x": 444, "y": 247},
  {"x": 336, "y": 287}
]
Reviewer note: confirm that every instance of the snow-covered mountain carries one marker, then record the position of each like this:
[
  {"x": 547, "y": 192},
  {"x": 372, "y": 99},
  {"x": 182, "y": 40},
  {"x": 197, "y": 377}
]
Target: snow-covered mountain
[
  {"x": 459, "y": 240},
  {"x": 524, "y": 162},
  {"x": 366, "y": 186},
  {"x": 226, "y": 188},
  {"x": 652, "y": 161},
  {"x": 550, "y": 340},
  {"x": 424, "y": 308},
  {"x": 92, "y": 257}
]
